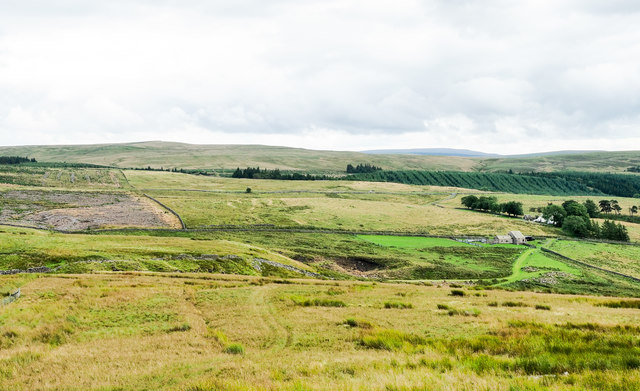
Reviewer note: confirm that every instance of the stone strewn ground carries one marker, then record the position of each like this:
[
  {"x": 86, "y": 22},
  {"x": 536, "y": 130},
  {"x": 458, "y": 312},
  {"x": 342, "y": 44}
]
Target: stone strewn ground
[{"x": 71, "y": 211}]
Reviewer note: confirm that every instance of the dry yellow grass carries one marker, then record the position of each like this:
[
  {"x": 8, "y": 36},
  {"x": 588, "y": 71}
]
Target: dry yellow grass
[{"x": 127, "y": 331}]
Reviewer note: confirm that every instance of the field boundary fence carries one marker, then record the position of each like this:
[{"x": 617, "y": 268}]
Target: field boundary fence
[
  {"x": 169, "y": 209},
  {"x": 589, "y": 265}
]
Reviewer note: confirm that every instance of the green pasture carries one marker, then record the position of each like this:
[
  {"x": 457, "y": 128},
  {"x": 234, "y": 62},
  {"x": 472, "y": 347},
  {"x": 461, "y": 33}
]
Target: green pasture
[{"x": 616, "y": 257}]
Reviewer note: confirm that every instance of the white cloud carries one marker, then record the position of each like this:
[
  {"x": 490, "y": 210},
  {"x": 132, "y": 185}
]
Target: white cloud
[{"x": 354, "y": 74}]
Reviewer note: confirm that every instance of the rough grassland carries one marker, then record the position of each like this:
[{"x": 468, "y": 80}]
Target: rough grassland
[
  {"x": 179, "y": 332},
  {"x": 23, "y": 248},
  {"x": 616, "y": 257}
]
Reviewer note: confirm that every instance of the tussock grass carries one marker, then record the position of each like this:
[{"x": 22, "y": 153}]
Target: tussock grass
[
  {"x": 392, "y": 340},
  {"x": 457, "y": 292},
  {"x": 454, "y": 311},
  {"x": 335, "y": 291},
  {"x": 317, "y": 302},
  {"x": 181, "y": 327},
  {"x": 234, "y": 348},
  {"x": 543, "y": 307},
  {"x": 358, "y": 323},
  {"x": 390, "y": 304},
  {"x": 514, "y": 304},
  {"x": 621, "y": 304},
  {"x": 121, "y": 320}
]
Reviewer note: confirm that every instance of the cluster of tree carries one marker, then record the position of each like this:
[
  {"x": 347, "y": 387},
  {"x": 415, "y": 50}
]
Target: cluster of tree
[
  {"x": 575, "y": 219},
  {"x": 493, "y": 181},
  {"x": 16, "y": 160},
  {"x": 175, "y": 169},
  {"x": 621, "y": 185},
  {"x": 490, "y": 204},
  {"x": 257, "y": 173},
  {"x": 362, "y": 168}
]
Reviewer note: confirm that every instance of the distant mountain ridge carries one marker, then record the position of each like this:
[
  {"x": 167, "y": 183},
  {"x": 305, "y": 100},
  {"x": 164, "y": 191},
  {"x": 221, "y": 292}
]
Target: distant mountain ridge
[
  {"x": 468, "y": 152},
  {"x": 432, "y": 152}
]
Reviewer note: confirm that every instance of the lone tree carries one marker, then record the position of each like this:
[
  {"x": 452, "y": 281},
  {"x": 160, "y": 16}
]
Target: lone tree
[{"x": 469, "y": 201}]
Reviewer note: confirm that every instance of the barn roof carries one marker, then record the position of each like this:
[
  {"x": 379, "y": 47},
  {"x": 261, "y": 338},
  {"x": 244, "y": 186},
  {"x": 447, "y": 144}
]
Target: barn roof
[{"x": 516, "y": 235}]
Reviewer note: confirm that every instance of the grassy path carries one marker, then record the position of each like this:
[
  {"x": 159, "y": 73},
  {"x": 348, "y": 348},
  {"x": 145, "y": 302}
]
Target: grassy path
[
  {"x": 518, "y": 264},
  {"x": 261, "y": 303}
]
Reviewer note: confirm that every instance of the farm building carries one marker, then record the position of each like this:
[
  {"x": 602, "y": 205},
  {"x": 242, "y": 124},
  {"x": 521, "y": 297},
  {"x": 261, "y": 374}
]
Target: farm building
[
  {"x": 502, "y": 239},
  {"x": 518, "y": 237},
  {"x": 514, "y": 237}
]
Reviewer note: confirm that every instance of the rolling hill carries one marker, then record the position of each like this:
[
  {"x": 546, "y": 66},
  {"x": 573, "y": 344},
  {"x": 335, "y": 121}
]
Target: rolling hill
[{"x": 168, "y": 155}]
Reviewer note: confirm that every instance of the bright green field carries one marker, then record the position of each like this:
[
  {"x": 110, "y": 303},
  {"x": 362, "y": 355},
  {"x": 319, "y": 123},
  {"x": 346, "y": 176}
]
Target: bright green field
[
  {"x": 533, "y": 264},
  {"x": 411, "y": 241}
]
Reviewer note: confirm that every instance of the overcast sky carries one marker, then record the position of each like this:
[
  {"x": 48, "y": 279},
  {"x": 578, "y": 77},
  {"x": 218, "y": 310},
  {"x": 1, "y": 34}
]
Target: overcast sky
[{"x": 496, "y": 76}]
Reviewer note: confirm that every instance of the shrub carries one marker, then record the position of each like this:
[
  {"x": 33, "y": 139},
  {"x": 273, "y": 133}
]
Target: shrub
[
  {"x": 234, "y": 348},
  {"x": 397, "y": 305},
  {"x": 457, "y": 292}
]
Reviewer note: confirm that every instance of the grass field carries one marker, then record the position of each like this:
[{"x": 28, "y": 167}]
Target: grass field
[
  {"x": 620, "y": 258},
  {"x": 215, "y": 332},
  {"x": 205, "y": 310},
  {"x": 323, "y": 204}
]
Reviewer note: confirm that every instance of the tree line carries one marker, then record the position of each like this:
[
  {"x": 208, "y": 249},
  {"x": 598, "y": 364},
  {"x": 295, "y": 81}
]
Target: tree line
[
  {"x": 620, "y": 185},
  {"x": 489, "y": 181},
  {"x": 257, "y": 173},
  {"x": 490, "y": 204},
  {"x": 362, "y": 168},
  {"x": 16, "y": 160}
]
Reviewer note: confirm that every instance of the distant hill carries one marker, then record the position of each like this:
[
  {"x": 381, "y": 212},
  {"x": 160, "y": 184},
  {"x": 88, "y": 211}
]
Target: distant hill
[
  {"x": 169, "y": 155},
  {"x": 432, "y": 152}
]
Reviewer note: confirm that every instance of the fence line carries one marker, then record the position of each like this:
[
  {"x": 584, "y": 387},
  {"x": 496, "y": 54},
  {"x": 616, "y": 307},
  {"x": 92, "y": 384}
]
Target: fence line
[
  {"x": 167, "y": 208},
  {"x": 589, "y": 265}
]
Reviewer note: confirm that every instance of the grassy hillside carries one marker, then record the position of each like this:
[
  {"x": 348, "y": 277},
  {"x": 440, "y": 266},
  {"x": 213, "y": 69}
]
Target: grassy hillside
[
  {"x": 584, "y": 161},
  {"x": 164, "y": 154}
]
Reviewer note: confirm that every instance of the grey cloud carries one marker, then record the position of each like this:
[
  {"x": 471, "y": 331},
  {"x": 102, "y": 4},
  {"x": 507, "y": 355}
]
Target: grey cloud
[{"x": 558, "y": 69}]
